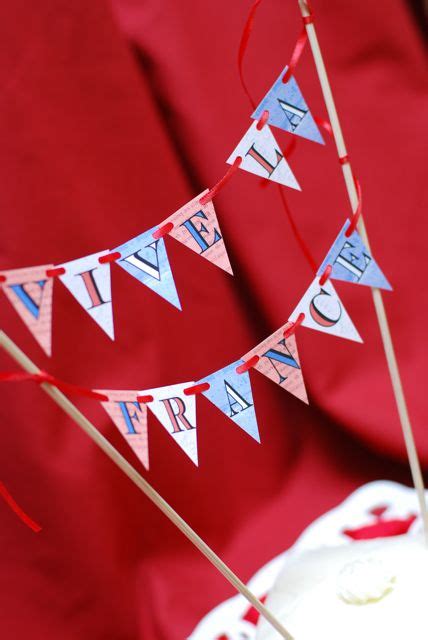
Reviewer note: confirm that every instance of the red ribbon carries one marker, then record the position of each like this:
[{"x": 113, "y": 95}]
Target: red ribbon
[
  {"x": 56, "y": 271},
  {"x": 163, "y": 230},
  {"x": 17, "y": 509},
  {"x": 42, "y": 376},
  {"x": 321, "y": 122},
  {"x": 295, "y": 57},
  {"x": 302, "y": 244},
  {"x": 246, "y": 366},
  {"x": 299, "y": 47},
  {"x": 109, "y": 257},
  {"x": 248, "y": 27},
  {"x": 294, "y": 325},
  {"x": 325, "y": 276},
  {"x": 354, "y": 220},
  {"x": 197, "y": 388},
  {"x": 220, "y": 184}
]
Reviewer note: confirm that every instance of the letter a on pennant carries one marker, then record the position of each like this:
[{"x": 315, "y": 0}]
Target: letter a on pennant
[
  {"x": 261, "y": 155},
  {"x": 177, "y": 414},
  {"x": 29, "y": 290},
  {"x": 89, "y": 282},
  {"x": 196, "y": 226},
  {"x": 231, "y": 393},
  {"x": 325, "y": 312},
  {"x": 288, "y": 110},
  {"x": 130, "y": 417},
  {"x": 279, "y": 361},
  {"x": 146, "y": 259},
  {"x": 351, "y": 261}
]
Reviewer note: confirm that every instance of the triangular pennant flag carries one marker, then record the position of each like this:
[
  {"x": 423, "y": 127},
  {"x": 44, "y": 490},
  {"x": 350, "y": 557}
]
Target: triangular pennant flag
[
  {"x": 196, "y": 226},
  {"x": 177, "y": 414},
  {"x": 89, "y": 282},
  {"x": 130, "y": 417},
  {"x": 261, "y": 155},
  {"x": 279, "y": 361},
  {"x": 146, "y": 259},
  {"x": 351, "y": 260},
  {"x": 29, "y": 290},
  {"x": 325, "y": 312},
  {"x": 288, "y": 110},
  {"x": 231, "y": 393}
]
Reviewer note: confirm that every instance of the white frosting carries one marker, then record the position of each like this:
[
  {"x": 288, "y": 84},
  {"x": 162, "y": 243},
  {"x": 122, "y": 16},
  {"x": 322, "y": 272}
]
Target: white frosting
[
  {"x": 365, "y": 580},
  {"x": 366, "y": 590}
]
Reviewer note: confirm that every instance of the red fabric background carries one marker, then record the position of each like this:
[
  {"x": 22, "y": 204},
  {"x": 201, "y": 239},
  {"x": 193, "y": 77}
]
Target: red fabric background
[{"x": 111, "y": 117}]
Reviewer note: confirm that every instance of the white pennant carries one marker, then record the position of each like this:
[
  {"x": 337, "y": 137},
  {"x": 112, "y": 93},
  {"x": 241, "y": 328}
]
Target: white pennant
[
  {"x": 89, "y": 282},
  {"x": 177, "y": 414},
  {"x": 261, "y": 155},
  {"x": 325, "y": 312}
]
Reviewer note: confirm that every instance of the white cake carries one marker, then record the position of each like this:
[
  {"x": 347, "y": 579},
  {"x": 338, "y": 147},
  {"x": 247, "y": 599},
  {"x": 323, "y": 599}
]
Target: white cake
[{"x": 367, "y": 590}]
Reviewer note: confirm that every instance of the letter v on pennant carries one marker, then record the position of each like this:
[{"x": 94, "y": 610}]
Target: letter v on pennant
[{"x": 146, "y": 259}]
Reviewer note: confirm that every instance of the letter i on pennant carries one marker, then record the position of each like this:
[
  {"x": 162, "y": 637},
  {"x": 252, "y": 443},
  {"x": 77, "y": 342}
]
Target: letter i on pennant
[
  {"x": 279, "y": 361},
  {"x": 197, "y": 227},
  {"x": 177, "y": 414},
  {"x": 89, "y": 282},
  {"x": 261, "y": 155},
  {"x": 29, "y": 290},
  {"x": 130, "y": 417}
]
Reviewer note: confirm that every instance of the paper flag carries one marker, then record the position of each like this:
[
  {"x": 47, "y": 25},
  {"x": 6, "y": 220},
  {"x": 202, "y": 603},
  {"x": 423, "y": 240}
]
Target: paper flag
[
  {"x": 146, "y": 259},
  {"x": 288, "y": 110},
  {"x": 130, "y": 417},
  {"x": 261, "y": 155},
  {"x": 177, "y": 414},
  {"x": 352, "y": 261},
  {"x": 89, "y": 282},
  {"x": 30, "y": 292},
  {"x": 231, "y": 393},
  {"x": 196, "y": 226},
  {"x": 279, "y": 361},
  {"x": 324, "y": 311}
]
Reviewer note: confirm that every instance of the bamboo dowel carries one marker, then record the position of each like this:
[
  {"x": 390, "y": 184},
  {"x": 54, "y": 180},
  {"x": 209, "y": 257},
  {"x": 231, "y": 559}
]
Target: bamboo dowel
[
  {"x": 382, "y": 318},
  {"x": 73, "y": 412}
]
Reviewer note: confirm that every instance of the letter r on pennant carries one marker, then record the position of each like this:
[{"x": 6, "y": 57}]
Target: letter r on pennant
[{"x": 177, "y": 414}]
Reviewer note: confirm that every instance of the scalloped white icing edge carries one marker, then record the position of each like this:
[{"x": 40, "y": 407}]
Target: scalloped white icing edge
[{"x": 353, "y": 512}]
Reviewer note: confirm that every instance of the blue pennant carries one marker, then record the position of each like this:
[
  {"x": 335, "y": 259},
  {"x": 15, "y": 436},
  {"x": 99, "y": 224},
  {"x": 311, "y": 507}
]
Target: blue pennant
[
  {"x": 288, "y": 110},
  {"x": 231, "y": 393},
  {"x": 352, "y": 261},
  {"x": 146, "y": 259}
]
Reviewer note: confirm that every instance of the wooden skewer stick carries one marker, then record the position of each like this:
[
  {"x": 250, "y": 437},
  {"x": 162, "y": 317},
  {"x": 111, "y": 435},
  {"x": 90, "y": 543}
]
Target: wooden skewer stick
[
  {"x": 68, "y": 407},
  {"x": 394, "y": 372}
]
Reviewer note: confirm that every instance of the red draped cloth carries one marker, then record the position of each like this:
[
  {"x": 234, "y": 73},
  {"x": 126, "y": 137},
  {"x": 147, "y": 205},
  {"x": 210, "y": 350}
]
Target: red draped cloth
[{"x": 112, "y": 115}]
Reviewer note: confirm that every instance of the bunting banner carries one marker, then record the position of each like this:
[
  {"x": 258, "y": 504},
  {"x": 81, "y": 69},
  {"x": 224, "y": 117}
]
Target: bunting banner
[
  {"x": 177, "y": 414},
  {"x": 352, "y": 261},
  {"x": 29, "y": 290},
  {"x": 89, "y": 282},
  {"x": 279, "y": 361},
  {"x": 231, "y": 392},
  {"x": 288, "y": 110},
  {"x": 325, "y": 312},
  {"x": 146, "y": 259},
  {"x": 261, "y": 155},
  {"x": 196, "y": 226},
  {"x": 130, "y": 417}
]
